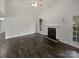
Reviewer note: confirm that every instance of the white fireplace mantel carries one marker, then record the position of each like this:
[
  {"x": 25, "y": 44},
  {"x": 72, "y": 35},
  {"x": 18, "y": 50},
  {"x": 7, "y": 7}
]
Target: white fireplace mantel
[{"x": 51, "y": 25}]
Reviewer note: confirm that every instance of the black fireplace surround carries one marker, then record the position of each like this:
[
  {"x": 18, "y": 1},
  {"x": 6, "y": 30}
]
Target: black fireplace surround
[{"x": 52, "y": 33}]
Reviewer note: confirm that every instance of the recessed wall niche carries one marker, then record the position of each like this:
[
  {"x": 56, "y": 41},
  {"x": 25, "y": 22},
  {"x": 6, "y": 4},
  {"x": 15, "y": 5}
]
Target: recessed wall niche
[{"x": 40, "y": 24}]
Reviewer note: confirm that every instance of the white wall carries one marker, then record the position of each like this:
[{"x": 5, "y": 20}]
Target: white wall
[
  {"x": 60, "y": 14},
  {"x": 19, "y": 8},
  {"x": 17, "y": 26},
  {"x": 0, "y": 25},
  {"x": 2, "y": 8},
  {"x": 20, "y": 18},
  {"x": 2, "y": 14}
]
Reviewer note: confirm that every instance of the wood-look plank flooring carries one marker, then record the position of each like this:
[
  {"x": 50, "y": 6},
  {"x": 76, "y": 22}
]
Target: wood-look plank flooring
[{"x": 35, "y": 46}]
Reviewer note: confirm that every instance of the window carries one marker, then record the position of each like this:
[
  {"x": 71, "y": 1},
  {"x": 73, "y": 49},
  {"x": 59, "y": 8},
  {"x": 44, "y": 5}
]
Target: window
[{"x": 76, "y": 28}]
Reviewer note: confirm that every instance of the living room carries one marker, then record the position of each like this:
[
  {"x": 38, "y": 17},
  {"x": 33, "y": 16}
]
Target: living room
[{"x": 25, "y": 17}]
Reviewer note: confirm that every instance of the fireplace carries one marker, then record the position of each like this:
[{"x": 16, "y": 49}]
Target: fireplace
[{"x": 52, "y": 33}]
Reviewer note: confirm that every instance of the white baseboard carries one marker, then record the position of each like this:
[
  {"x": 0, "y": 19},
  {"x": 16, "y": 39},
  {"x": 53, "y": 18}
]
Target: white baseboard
[
  {"x": 18, "y": 35},
  {"x": 69, "y": 44}
]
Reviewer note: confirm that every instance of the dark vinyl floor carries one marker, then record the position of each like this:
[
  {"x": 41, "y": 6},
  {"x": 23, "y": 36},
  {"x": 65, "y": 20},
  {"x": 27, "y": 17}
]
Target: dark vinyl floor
[{"x": 35, "y": 46}]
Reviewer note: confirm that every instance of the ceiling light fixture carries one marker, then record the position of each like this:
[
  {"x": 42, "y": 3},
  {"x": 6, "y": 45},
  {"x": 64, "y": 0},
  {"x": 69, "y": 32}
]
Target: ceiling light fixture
[{"x": 36, "y": 3}]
